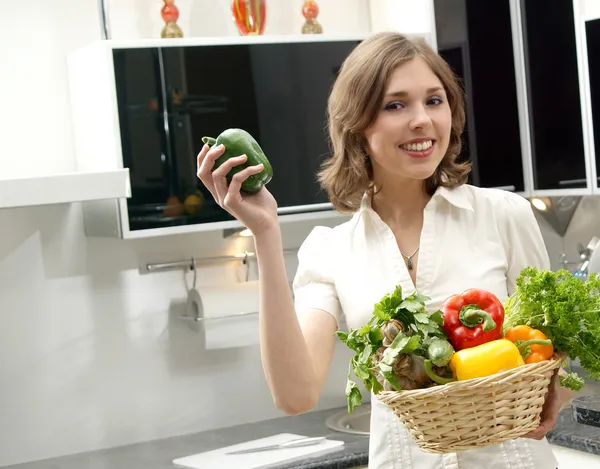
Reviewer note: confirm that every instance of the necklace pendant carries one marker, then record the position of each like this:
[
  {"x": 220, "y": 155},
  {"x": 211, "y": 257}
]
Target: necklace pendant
[{"x": 409, "y": 264}]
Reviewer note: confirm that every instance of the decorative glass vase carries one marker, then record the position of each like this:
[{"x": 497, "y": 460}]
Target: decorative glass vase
[
  {"x": 249, "y": 16},
  {"x": 310, "y": 11},
  {"x": 170, "y": 14}
]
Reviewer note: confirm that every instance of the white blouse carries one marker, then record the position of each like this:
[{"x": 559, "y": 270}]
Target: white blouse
[{"x": 471, "y": 238}]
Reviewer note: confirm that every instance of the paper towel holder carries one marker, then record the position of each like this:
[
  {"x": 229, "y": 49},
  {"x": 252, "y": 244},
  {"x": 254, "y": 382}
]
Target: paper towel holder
[
  {"x": 229, "y": 316},
  {"x": 192, "y": 263}
]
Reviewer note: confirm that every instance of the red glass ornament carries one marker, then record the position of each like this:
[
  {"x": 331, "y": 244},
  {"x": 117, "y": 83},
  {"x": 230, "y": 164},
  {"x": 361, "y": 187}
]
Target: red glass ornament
[
  {"x": 170, "y": 14},
  {"x": 310, "y": 9},
  {"x": 249, "y": 16}
]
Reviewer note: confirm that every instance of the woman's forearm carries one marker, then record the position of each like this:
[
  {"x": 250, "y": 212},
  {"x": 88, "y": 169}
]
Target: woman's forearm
[{"x": 285, "y": 356}]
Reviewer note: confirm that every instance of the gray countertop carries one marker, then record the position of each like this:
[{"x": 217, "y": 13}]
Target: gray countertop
[{"x": 160, "y": 454}]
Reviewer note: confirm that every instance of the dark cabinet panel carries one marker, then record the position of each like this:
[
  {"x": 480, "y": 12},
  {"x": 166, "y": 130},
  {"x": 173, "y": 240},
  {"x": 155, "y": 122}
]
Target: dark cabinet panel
[
  {"x": 592, "y": 31},
  {"x": 475, "y": 38},
  {"x": 171, "y": 97},
  {"x": 554, "y": 95}
]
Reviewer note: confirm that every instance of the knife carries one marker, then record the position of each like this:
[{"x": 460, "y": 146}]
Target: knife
[{"x": 288, "y": 444}]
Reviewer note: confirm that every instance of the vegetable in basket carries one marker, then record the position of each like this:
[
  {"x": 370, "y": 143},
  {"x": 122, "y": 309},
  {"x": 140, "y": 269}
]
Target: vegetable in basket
[
  {"x": 533, "y": 344},
  {"x": 486, "y": 359},
  {"x": 402, "y": 347},
  {"x": 567, "y": 310},
  {"x": 472, "y": 318}
]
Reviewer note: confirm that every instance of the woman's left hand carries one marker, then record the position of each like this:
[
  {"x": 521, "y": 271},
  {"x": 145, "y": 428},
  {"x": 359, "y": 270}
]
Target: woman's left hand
[{"x": 555, "y": 399}]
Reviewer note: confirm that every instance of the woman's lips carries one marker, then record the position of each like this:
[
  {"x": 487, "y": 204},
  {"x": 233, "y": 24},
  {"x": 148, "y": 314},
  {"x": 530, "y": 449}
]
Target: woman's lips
[{"x": 421, "y": 149}]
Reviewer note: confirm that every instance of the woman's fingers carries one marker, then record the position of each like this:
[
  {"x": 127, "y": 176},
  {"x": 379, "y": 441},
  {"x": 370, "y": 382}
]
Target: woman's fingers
[
  {"x": 233, "y": 193},
  {"x": 219, "y": 176},
  {"x": 206, "y": 161}
]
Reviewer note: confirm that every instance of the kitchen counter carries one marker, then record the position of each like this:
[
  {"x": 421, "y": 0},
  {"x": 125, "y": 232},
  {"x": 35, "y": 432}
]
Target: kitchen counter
[
  {"x": 575, "y": 435},
  {"x": 160, "y": 454}
]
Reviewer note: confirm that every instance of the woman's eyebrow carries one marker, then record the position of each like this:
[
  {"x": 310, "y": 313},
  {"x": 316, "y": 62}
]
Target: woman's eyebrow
[{"x": 401, "y": 94}]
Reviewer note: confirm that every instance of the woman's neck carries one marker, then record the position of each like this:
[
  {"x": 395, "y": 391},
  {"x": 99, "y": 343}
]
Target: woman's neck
[{"x": 401, "y": 203}]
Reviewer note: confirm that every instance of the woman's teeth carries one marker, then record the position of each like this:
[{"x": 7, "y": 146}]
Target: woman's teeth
[{"x": 421, "y": 146}]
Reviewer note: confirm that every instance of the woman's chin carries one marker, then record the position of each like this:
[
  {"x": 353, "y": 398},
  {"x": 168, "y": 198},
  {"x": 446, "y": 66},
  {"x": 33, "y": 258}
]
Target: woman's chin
[{"x": 421, "y": 174}]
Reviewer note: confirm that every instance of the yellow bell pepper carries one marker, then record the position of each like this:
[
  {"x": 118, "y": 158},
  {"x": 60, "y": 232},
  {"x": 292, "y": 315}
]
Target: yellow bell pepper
[{"x": 485, "y": 359}]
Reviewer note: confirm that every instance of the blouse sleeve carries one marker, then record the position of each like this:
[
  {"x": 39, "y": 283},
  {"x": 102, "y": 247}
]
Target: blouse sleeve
[
  {"x": 522, "y": 238},
  {"x": 313, "y": 283}
]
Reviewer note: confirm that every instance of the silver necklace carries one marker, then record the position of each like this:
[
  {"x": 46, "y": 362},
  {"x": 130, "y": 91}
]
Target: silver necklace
[{"x": 409, "y": 263}]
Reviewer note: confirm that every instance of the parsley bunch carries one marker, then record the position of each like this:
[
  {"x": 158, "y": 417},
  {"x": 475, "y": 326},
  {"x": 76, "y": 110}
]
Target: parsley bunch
[
  {"x": 566, "y": 309},
  {"x": 421, "y": 329}
]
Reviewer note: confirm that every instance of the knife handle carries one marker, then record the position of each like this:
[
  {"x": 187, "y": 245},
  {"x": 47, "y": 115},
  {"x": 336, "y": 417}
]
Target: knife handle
[{"x": 302, "y": 442}]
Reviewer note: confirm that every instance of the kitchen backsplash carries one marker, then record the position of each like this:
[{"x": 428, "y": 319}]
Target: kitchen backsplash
[{"x": 92, "y": 354}]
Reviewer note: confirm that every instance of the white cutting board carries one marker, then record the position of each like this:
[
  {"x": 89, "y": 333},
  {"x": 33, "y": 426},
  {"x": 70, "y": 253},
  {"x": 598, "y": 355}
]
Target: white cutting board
[{"x": 218, "y": 459}]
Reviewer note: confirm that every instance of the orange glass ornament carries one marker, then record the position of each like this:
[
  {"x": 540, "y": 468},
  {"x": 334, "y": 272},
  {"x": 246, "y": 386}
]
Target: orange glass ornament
[
  {"x": 310, "y": 11},
  {"x": 249, "y": 16},
  {"x": 170, "y": 14}
]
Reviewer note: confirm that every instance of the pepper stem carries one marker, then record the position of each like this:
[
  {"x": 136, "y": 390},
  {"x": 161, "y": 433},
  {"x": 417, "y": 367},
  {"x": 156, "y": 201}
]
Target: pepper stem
[
  {"x": 524, "y": 346},
  {"x": 434, "y": 377},
  {"x": 209, "y": 141},
  {"x": 471, "y": 316}
]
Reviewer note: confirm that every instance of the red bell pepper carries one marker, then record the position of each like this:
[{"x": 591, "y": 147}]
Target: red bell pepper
[{"x": 472, "y": 318}]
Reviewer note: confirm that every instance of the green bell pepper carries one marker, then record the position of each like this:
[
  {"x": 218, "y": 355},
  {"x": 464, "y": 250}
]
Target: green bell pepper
[{"x": 239, "y": 142}]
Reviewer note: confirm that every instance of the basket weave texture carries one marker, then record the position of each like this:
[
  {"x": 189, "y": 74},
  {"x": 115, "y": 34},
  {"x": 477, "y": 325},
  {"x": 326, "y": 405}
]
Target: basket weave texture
[{"x": 464, "y": 415}]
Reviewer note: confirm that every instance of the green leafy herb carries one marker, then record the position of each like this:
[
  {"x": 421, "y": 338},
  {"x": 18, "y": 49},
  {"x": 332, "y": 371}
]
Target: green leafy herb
[
  {"x": 418, "y": 329},
  {"x": 566, "y": 309}
]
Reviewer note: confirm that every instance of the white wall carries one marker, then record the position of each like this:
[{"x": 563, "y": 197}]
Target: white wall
[
  {"x": 91, "y": 352},
  {"x": 133, "y": 19}
]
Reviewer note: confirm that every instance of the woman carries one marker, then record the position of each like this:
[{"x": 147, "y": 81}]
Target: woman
[{"x": 395, "y": 119}]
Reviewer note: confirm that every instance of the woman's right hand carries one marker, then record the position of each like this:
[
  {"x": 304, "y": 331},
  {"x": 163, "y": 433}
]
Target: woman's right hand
[{"x": 258, "y": 212}]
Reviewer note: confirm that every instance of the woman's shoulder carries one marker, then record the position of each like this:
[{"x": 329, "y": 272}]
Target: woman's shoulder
[
  {"x": 496, "y": 199},
  {"x": 323, "y": 237}
]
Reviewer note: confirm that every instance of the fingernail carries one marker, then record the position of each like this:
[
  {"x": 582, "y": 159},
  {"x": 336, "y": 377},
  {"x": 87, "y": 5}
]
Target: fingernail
[{"x": 220, "y": 146}]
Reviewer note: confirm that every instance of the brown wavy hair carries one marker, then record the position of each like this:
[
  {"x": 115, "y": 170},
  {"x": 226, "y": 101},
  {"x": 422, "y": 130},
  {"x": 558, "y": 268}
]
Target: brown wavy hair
[{"x": 354, "y": 103}]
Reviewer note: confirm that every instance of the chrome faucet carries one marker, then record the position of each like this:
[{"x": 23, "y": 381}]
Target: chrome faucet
[{"x": 585, "y": 253}]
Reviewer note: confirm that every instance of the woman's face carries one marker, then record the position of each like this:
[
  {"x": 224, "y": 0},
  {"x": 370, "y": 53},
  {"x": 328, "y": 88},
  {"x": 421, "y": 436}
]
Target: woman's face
[{"x": 411, "y": 133}]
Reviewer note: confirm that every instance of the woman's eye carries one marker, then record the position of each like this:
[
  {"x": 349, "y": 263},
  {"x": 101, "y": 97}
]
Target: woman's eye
[
  {"x": 393, "y": 106},
  {"x": 436, "y": 100}
]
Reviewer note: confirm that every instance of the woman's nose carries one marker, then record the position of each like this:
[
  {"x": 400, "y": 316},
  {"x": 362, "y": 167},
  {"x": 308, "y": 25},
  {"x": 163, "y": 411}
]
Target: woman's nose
[{"x": 420, "y": 119}]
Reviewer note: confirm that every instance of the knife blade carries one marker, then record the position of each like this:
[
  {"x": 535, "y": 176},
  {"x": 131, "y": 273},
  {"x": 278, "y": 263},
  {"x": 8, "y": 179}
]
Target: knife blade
[{"x": 298, "y": 442}]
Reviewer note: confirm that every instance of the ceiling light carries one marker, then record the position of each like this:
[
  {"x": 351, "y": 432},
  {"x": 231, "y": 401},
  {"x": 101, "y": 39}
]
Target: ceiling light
[
  {"x": 237, "y": 232},
  {"x": 541, "y": 204}
]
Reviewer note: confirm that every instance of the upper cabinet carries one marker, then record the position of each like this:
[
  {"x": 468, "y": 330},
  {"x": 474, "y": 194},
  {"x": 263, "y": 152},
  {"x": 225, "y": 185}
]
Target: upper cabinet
[
  {"x": 476, "y": 39},
  {"x": 523, "y": 66},
  {"x": 592, "y": 87},
  {"x": 553, "y": 71},
  {"x": 148, "y": 105}
]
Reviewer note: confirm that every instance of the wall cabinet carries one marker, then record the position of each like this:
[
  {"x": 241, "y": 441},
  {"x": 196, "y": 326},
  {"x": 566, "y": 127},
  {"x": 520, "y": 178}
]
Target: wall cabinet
[
  {"x": 145, "y": 106},
  {"x": 554, "y": 97},
  {"x": 476, "y": 40},
  {"x": 524, "y": 70},
  {"x": 592, "y": 88}
]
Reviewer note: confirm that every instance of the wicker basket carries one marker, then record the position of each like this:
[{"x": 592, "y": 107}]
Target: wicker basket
[{"x": 474, "y": 413}]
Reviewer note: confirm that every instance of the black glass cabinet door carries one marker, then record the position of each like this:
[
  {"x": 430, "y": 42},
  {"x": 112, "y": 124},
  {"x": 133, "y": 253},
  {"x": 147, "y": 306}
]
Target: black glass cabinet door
[
  {"x": 554, "y": 95},
  {"x": 164, "y": 187},
  {"x": 475, "y": 38},
  {"x": 171, "y": 97},
  {"x": 592, "y": 30}
]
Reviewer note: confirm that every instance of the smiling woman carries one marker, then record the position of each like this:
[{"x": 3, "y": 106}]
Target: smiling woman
[
  {"x": 395, "y": 119},
  {"x": 418, "y": 112}
]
